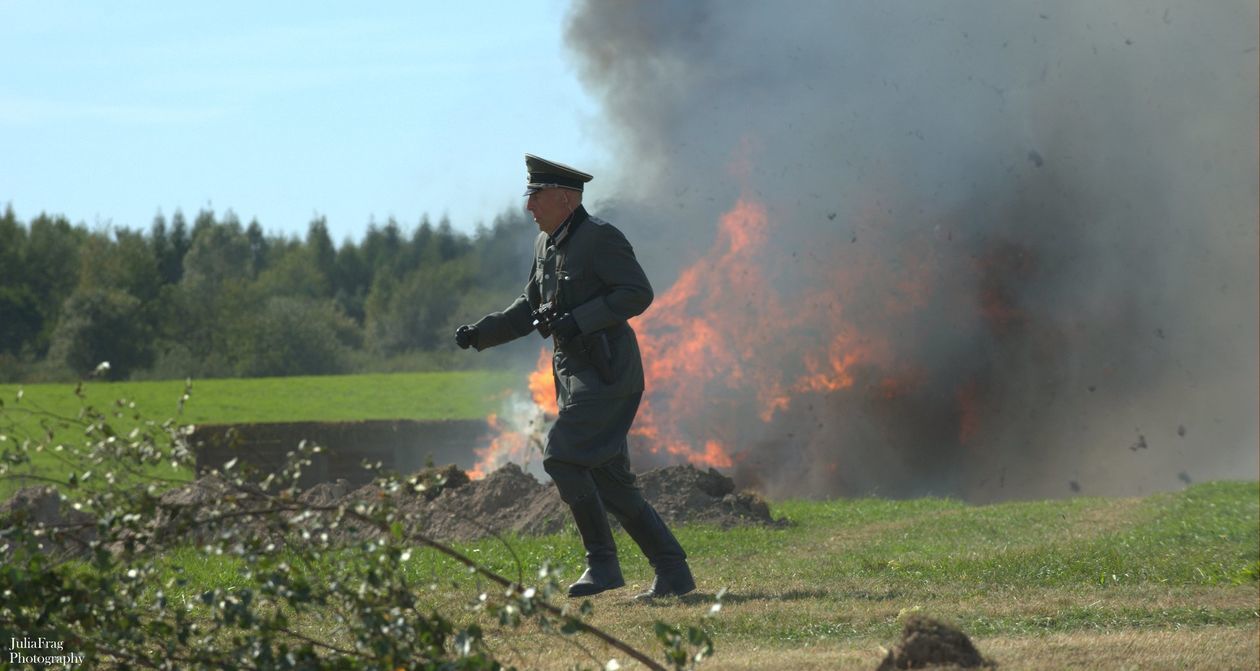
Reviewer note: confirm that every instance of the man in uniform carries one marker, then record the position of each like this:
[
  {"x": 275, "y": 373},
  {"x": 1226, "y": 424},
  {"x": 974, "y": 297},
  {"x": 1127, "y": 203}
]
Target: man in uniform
[{"x": 584, "y": 284}]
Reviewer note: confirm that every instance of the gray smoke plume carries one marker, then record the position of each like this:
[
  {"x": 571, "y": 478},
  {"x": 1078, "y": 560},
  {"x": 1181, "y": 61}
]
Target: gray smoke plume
[{"x": 1065, "y": 194}]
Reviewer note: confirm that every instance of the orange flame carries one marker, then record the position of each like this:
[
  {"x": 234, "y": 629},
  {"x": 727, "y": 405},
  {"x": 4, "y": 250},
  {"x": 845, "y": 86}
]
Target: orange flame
[
  {"x": 723, "y": 329},
  {"x": 516, "y": 439},
  {"x": 693, "y": 343},
  {"x": 542, "y": 387},
  {"x": 713, "y": 330},
  {"x": 714, "y": 455},
  {"x": 843, "y": 354},
  {"x": 507, "y": 446}
]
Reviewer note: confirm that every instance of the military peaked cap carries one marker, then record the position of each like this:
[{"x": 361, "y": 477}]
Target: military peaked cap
[{"x": 544, "y": 174}]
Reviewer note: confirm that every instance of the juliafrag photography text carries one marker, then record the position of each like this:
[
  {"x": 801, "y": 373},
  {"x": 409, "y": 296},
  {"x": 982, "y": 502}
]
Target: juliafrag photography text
[{"x": 41, "y": 651}]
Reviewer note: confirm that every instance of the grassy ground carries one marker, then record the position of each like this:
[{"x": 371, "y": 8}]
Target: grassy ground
[
  {"x": 419, "y": 396},
  {"x": 1167, "y": 581},
  {"x": 31, "y": 410}
]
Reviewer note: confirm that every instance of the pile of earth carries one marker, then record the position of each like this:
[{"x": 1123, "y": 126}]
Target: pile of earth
[
  {"x": 61, "y": 528},
  {"x": 449, "y": 507},
  {"x": 928, "y": 643},
  {"x": 511, "y": 501}
]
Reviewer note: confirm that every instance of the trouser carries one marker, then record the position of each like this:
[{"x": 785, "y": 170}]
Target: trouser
[
  {"x": 613, "y": 484},
  {"x": 612, "y": 481}
]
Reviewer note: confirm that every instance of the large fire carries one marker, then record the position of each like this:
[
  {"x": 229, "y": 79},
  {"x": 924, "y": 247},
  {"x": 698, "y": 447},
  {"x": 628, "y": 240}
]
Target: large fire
[
  {"x": 719, "y": 333},
  {"x": 518, "y": 438},
  {"x": 708, "y": 333},
  {"x": 731, "y": 348}
]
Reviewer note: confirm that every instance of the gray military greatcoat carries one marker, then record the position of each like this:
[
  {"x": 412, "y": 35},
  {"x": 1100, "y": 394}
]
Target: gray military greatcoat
[{"x": 587, "y": 268}]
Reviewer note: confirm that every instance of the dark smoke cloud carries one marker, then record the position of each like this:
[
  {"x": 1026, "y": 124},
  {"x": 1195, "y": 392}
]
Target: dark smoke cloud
[{"x": 1079, "y": 178}]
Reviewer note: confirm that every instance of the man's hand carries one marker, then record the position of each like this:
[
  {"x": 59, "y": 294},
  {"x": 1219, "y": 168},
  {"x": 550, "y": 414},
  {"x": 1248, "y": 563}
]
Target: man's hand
[
  {"x": 466, "y": 336},
  {"x": 564, "y": 327}
]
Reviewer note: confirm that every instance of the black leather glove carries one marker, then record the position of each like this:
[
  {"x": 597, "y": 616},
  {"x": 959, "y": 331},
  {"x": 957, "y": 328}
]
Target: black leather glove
[
  {"x": 466, "y": 336},
  {"x": 565, "y": 327}
]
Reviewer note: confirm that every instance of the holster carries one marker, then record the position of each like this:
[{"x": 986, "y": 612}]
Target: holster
[
  {"x": 594, "y": 349},
  {"x": 599, "y": 353}
]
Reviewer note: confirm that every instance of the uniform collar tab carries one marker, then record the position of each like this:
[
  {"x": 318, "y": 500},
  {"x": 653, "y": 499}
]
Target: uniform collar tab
[{"x": 574, "y": 219}]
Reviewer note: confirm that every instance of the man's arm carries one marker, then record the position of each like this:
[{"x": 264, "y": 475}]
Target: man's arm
[
  {"x": 513, "y": 322},
  {"x": 629, "y": 292},
  {"x": 497, "y": 328}
]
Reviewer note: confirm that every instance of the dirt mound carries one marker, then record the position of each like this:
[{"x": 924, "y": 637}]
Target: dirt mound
[
  {"x": 451, "y": 507},
  {"x": 927, "y": 643},
  {"x": 512, "y": 501},
  {"x": 197, "y": 493},
  {"x": 442, "y": 503},
  {"x": 184, "y": 511},
  {"x": 62, "y": 528},
  {"x": 327, "y": 493},
  {"x": 685, "y": 494},
  {"x": 508, "y": 500}
]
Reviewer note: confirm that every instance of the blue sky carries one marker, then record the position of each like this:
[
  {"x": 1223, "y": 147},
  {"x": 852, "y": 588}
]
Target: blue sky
[{"x": 112, "y": 112}]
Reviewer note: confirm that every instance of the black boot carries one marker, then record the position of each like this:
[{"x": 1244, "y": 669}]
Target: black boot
[
  {"x": 673, "y": 576},
  {"x": 603, "y": 572}
]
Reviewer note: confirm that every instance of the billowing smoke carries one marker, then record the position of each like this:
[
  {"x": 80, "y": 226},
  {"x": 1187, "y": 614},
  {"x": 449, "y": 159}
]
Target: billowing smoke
[{"x": 1040, "y": 217}]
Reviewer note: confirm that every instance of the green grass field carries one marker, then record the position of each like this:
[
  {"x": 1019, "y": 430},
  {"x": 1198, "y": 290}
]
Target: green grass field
[
  {"x": 418, "y": 396},
  {"x": 1166, "y": 581},
  {"x": 31, "y": 410}
]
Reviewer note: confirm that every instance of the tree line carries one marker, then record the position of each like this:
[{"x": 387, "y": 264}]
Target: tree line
[{"x": 220, "y": 299}]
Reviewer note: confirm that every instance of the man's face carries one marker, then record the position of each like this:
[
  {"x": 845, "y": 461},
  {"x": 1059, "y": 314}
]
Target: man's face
[{"x": 550, "y": 208}]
